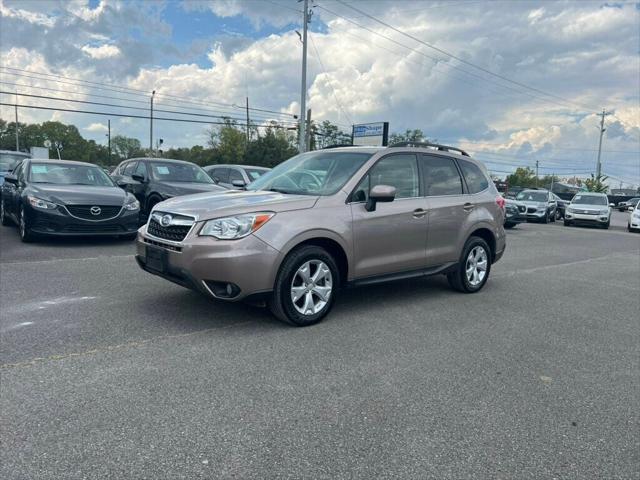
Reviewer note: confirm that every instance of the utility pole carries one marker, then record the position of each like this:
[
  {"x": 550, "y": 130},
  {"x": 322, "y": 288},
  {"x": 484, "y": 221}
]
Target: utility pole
[
  {"x": 153, "y": 94},
  {"x": 308, "y": 139},
  {"x": 303, "y": 92},
  {"x": 602, "y": 130},
  {"x": 17, "y": 135},
  {"x": 537, "y": 173},
  {"x": 248, "y": 131},
  {"x": 109, "y": 137}
]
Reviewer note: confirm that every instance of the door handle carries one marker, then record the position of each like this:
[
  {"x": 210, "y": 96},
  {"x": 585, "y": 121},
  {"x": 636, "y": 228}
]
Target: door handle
[
  {"x": 419, "y": 213},
  {"x": 468, "y": 207}
]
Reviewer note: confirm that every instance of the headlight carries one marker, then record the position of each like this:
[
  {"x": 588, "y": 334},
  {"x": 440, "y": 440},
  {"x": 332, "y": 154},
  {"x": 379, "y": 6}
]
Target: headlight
[
  {"x": 569, "y": 210},
  {"x": 604, "y": 212},
  {"x": 636, "y": 213},
  {"x": 231, "y": 228},
  {"x": 135, "y": 205},
  {"x": 41, "y": 204}
]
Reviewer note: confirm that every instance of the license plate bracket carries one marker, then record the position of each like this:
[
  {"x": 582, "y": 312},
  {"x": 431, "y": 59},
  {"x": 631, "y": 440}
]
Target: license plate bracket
[{"x": 156, "y": 259}]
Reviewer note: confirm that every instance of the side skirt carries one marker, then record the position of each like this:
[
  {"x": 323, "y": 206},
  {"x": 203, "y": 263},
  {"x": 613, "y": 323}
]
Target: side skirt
[{"x": 391, "y": 277}]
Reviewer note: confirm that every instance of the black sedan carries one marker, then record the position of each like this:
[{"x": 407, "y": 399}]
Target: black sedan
[
  {"x": 152, "y": 180},
  {"x": 59, "y": 197}
]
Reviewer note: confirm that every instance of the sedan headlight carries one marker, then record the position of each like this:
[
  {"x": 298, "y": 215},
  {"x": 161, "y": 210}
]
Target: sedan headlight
[
  {"x": 134, "y": 205},
  {"x": 232, "y": 228},
  {"x": 36, "y": 202}
]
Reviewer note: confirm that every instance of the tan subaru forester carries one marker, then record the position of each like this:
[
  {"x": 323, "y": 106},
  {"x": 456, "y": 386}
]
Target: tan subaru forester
[{"x": 329, "y": 219}]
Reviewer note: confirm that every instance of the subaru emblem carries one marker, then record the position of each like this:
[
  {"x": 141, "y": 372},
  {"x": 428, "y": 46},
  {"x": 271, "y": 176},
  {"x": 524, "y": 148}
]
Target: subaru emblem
[
  {"x": 165, "y": 221},
  {"x": 95, "y": 210}
]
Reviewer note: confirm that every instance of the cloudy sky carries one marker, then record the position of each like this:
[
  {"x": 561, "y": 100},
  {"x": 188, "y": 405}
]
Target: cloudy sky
[{"x": 511, "y": 81}]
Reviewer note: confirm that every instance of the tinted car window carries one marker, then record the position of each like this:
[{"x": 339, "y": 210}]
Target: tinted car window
[
  {"x": 141, "y": 169},
  {"x": 441, "y": 176},
  {"x": 129, "y": 168},
  {"x": 67, "y": 174},
  {"x": 476, "y": 180},
  {"x": 400, "y": 171},
  {"x": 254, "y": 173},
  {"x": 222, "y": 174},
  {"x": 178, "y": 172},
  {"x": 235, "y": 175}
]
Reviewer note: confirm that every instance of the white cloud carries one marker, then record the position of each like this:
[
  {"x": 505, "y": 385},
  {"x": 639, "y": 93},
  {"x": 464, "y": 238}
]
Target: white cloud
[
  {"x": 96, "y": 127},
  {"x": 101, "y": 52}
]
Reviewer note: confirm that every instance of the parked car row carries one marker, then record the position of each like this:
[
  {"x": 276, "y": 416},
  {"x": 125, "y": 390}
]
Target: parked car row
[{"x": 628, "y": 204}]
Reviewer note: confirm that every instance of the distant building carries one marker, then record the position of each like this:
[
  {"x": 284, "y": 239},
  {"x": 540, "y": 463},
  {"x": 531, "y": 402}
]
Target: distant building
[{"x": 623, "y": 192}]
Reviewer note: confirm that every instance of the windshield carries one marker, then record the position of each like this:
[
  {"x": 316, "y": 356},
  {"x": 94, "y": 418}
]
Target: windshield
[
  {"x": 9, "y": 160},
  {"x": 255, "y": 173},
  {"x": 590, "y": 200},
  {"x": 178, "y": 172},
  {"x": 532, "y": 196},
  {"x": 312, "y": 173},
  {"x": 61, "y": 174}
]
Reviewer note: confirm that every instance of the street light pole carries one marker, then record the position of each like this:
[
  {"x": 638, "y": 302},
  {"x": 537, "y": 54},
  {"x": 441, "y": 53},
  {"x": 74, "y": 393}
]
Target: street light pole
[
  {"x": 303, "y": 90},
  {"x": 109, "y": 135},
  {"x": 17, "y": 135},
  {"x": 153, "y": 94},
  {"x": 602, "y": 130}
]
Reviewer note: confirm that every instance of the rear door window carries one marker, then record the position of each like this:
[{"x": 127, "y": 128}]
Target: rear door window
[
  {"x": 475, "y": 178},
  {"x": 441, "y": 176}
]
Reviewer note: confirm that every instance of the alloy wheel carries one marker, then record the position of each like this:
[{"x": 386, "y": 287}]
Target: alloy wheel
[
  {"x": 311, "y": 287},
  {"x": 476, "y": 266}
]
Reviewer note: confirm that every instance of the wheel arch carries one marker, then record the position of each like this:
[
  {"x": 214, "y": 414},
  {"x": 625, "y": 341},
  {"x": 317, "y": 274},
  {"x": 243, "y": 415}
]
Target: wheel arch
[{"x": 488, "y": 236}]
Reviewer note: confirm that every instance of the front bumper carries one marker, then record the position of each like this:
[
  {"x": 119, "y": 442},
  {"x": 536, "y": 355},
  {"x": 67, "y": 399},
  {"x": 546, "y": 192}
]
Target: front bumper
[
  {"x": 247, "y": 266},
  {"x": 592, "y": 219},
  {"x": 59, "y": 222},
  {"x": 514, "y": 216}
]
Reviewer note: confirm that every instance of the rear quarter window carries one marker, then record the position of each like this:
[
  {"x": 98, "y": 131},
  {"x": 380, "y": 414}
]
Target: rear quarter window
[{"x": 474, "y": 176}]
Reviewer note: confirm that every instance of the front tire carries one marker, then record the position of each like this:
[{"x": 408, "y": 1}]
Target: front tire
[
  {"x": 509, "y": 225},
  {"x": 4, "y": 219},
  {"x": 306, "y": 286},
  {"x": 474, "y": 267},
  {"x": 606, "y": 225},
  {"x": 25, "y": 232}
]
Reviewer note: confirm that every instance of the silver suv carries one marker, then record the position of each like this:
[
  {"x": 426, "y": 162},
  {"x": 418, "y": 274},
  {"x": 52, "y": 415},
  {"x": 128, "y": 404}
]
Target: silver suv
[{"x": 329, "y": 219}]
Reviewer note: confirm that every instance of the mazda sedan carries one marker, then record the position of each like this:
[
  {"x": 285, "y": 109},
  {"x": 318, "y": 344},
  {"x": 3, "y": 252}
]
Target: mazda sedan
[{"x": 59, "y": 197}]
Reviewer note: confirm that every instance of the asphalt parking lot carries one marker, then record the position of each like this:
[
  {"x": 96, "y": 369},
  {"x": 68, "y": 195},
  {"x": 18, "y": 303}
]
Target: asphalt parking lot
[{"x": 108, "y": 372}]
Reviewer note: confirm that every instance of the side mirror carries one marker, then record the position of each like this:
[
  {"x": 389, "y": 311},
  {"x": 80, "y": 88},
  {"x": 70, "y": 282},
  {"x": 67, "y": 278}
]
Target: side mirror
[
  {"x": 379, "y": 193},
  {"x": 239, "y": 184},
  {"x": 138, "y": 178},
  {"x": 11, "y": 178},
  {"x": 612, "y": 204}
]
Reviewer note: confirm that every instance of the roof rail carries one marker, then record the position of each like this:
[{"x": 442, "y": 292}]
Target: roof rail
[
  {"x": 443, "y": 148},
  {"x": 338, "y": 145}
]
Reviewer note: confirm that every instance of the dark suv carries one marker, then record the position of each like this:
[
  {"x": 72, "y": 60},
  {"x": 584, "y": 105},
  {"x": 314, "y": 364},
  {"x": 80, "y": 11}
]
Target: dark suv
[
  {"x": 152, "y": 180},
  {"x": 331, "y": 218}
]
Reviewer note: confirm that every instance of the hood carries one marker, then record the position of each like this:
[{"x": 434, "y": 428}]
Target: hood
[
  {"x": 79, "y": 194},
  {"x": 186, "y": 188},
  {"x": 533, "y": 203},
  {"x": 205, "y": 206},
  {"x": 516, "y": 203}
]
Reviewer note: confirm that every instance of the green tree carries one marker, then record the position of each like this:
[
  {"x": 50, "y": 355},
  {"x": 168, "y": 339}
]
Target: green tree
[
  {"x": 229, "y": 143},
  {"x": 126, "y": 147},
  {"x": 328, "y": 134},
  {"x": 273, "y": 147},
  {"x": 596, "y": 183},
  {"x": 415, "y": 135},
  {"x": 522, "y": 177}
]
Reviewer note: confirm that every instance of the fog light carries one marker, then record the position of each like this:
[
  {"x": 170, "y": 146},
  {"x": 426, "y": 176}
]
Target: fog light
[{"x": 222, "y": 289}]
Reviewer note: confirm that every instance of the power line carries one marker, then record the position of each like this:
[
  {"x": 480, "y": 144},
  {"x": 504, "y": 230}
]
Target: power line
[
  {"x": 86, "y": 102},
  {"x": 471, "y": 64},
  {"x": 126, "y": 90},
  {"x": 111, "y": 114},
  {"x": 315, "y": 49}
]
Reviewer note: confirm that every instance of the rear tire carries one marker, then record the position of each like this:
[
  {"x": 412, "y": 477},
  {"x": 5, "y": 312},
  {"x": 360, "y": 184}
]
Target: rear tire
[
  {"x": 552, "y": 217},
  {"x": 4, "y": 219},
  {"x": 463, "y": 279},
  {"x": 545, "y": 219},
  {"x": 309, "y": 273}
]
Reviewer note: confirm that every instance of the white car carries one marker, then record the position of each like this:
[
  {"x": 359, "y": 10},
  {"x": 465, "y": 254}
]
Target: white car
[
  {"x": 633, "y": 225},
  {"x": 589, "y": 208}
]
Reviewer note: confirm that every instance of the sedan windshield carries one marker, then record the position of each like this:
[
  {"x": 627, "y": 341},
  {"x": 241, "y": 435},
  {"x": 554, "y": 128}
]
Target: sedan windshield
[
  {"x": 532, "y": 196},
  {"x": 178, "y": 172},
  {"x": 69, "y": 174},
  {"x": 590, "y": 200},
  {"x": 9, "y": 160},
  {"x": 313, "y": 173}
]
